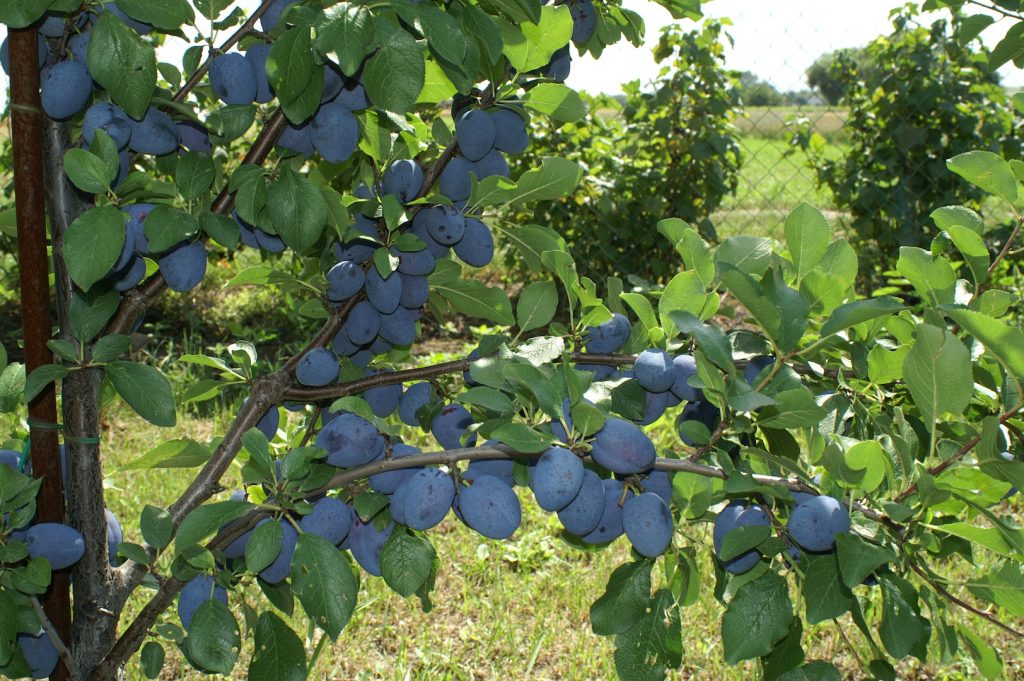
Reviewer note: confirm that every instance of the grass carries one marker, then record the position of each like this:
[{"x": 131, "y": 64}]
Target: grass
[{"x": 778, "y": 122}]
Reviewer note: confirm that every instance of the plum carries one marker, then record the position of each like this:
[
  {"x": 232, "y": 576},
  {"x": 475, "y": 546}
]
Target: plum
[
  {"x": 353, "y": 96},
  {"x": 399, "y": 327},
  {"x": 418, "y": 263},
  {"x": 446, "y": 226},
  {"x": 350, "y": 440},
  {"x": 384, "y": 399},
  {"x": 608, "y": 336},
  {"x": 654, "y": 370},
  {"x": 365, "y": 542},
  {"x": 10, "y": 458},
  {"x": 476, "y": 248},
  {"x": 257, "y": 55},
  {"x": 233, "y": 79},
  {"x": 490, "y": 507},
  {"x": 344, "y": 280},
  {"x": 66, "y": 89},
  {"x": 78, "y": 46},
  {"x": 685, "y": 367},
  {"x": 415, "y": 292},
  {"x": 558, "y": 68},
  {"x": 622, "y": 447},
  {"x": 428, "y": 496},
  {"x": 658, "y": 482},
  {"x": 269, "y": 422},
  {"x": 474, "y": 131},
  {"x": 583, "y": 513},
  {"x": 155, "y": 134},
  {"x": 584, "y": 20},
  {"x": 330, "y": 518},
  {"x": 556, "y": 479},
  {"x": 815, "y": 523},
  {"x": 450, "y": 425},
  {"x": 363, "y": 323},
  {"x": 609, "y": 527},
  {"x": 417, "y": 396},
  {"x": 454, "y": 180},
  {"x": 5, "y": 63},
  {"x": 510, "y": 133},
  {"x": 318, "y": 367},
  {"x": 655, "y": 405},
  {"x": 140, "y": 27},
  {"x": 495, "y": 468},
  {"x": 403, "y": 178},
  {"x": 296, "y": 138},
  {"x": 115, "y": 535},
  {"x": 197, "y": 591},
  {"x": 701, "y": 412},
  {"x": 755, "y": 367},
  {"x": 272, "y": 16},
  {"x": 491, "y": 165},
  {"x": 727, "y": 520},
  {"x": 61, "y": 545},
  {"x": 383, "y": 292},
  {"x": 389, "y": 481},
  {"x": 277, "y": 571},
  {"x": 335, "y": 132},
  {"x": 40, "y": 654},
  {"x": 194, "y": 136},
  {"x": 184, "y": 266},
  {"x": 109, "y": 118},
  {"x": 334, "y": 80},
  {"x": 647, "y": 523}
]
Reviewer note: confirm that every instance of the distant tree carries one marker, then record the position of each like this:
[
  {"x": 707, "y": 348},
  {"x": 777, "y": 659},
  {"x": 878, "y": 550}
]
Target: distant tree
[
  {"x": 821, "y": 75},
  {"x": 754, "y": 91}
]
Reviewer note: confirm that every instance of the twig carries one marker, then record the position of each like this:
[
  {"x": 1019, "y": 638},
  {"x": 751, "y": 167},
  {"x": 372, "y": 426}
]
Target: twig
[
  {"x": 996, "y": 9},
  {"x": 1006, "y": 247},
  {"x": 945, "y": 593},
  {"x": 51, "y": 633}
]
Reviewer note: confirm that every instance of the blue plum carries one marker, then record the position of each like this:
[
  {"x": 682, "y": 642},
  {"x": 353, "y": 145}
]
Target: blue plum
[
  {"x": 403, "y": 178},
  {"x": 584, "y": 20},
  {"x": 365, "y": 542},
  {"x": 415, "y": 291},
  {"x": 5, "y": 56},
  {"x": 476, "y": 248},
  {"x": 727, "y": 520},
  {"x": 655, "y": 405},
  {"x": 40, "y": 654},
  {"x": 454, "y": 180},
  {"x": 233, "y": 79},
  {"x": 495, "y": 468},
  {"x": 109, "y": 118},
  {"x": 493, "y": 164},
  {"x": 140, "y": 27},
  {"x": 277, "y": 571},
  {"x": 685, "y": 367},
  {"x": 330, "y": 518},
  {"x": 609, "y": 527},
  {"x": 257, "y": 55},
  {"x": 474, "y": 131},
  {"x": 815, "y": 523},
  {"x": 384, "y": 399},
  {"x": 556, "y": 479},
  {"x": 383, "y": 292},
  {"x": 654, "y": 370},
  {"x": 78, "y": 46},
  {"x": 622, "y": 447},
  {"x": 335, "y": 132},
  {"x": 61, "y": 545},
  {"x": 510, "y": 133},
  {"x": 296, "y": 138},
  {"x": 608, "y": 336},
  {"x": 659, "y": 482},
  {"x": 194, "y": 136},
  {"x": 10, "y": 458},
  {"x": 389, "y": 481},
  {"x": 269, "y": 422},
  {"x": 350, "y": 440},
  {"x": 755, "y": 367},
  {"x": 363, "y": 323},
  {"x": 155, "y": 134},
  {"x": 197, "y": 591},
  {"x": 184, "y": 266},
  {"x": 701, "y": 412},
  {"x": 399, "y": 327},
  {"x": 647, "y": 523},
  {"x": 558, "y": 68},
  {"x": 582, "y": 515},
  {"x": 353, "y": 96},
  {"x": 447, "y": 225},
  {"x": 66, "y": 89},
  {"x": 491, "y": 507},
  {"x": 272, "y": 16},
  {"x": 450, "y": 425},
  {"x": 418, "y": 263},
  {"x": 318, "y": 367},
  {"x": 53, "y": 25},
  {"x": 344, "y": 280},
  {"x": 428, "y": 497},
  {"x": 417, "y": 396}
]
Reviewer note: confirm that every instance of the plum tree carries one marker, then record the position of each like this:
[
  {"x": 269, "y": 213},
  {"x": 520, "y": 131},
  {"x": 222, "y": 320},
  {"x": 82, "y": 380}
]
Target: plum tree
[{"x": 556, "y": 478}]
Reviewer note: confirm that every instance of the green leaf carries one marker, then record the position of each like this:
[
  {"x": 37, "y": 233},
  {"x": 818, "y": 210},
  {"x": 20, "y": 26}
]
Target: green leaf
[
  {"x": 90, "y": 313},
  {"x": 537, "y": 305},
  {"x": 278, "y": 653},
  {"x": 42, "y": 377},
  {"x": 825, "y": 594},
  {"x": 93, "y": 244},
  {"x": 395, "y": 74},
  {"x": 123, "y": 64},
  {"x": 347, "y": 31},
  {"x": 757, "y": 617},
  {"x": 323, "y": 581},
  {"x": 950, "y": 216},
  {"x": 521, "y": 437},
  {"x": 194, "y": 174},
  {"x": 987, "y": 658},
  {"x": 474, "y": 298},
  {"x": 555, "y": 178},
  {"x": 710, "y": 339},
  {"x": 814, "y": 671},
  {"x": 8, "y": 628},
  {"x": 221, "y": 229},
  {"x": 406, "y": 561},
  {"x": 1004, "y": 342},
  {"x": 529, "y": 46},
  {"x": 625, "y": 599},
  {"x": 901, "y": 626},
  {"x": 157, "y": 526},
  {"x": 111, "y": 347},
  {"x": 296, "y": 78},
  {"x": 858, "y": 558},
  {"x": 443, "y": 33},
  {"x": 860, "y": 311},
  {"x": 742, "y": 539},
  {"x": 807, "y": 235},
  {"x": 22, "y": 14},
  {"x": 749, "y": 254},
  {"x": 974, "y": 250},
  {"x": 167, "y": 15},
  {"x": 166, "y": 227},
  {"x": 652, "y": 645},
  {"x": 987, "y": 171},
  {"x": 558, "y": 101},
  {"x": 12, "y": 385},
  {"x": 214, "y": 640},
  {"x": 207, "y": 520},
  {"x": 780, "y": 310},
  {"x": 264, "y": 546},
  {"x": 938, "y": 373},
  {"x": 145, "y": 389},
  {"x": 152, "y": 659},
  {"x": 87, "y": 171},
  {"x": 297, "y": 210},
  {"x": 181, "y": 453}
]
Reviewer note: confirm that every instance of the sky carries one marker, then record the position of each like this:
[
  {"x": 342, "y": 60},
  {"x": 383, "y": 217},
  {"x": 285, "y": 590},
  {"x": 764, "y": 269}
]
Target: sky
[{"x": 776, "y": 41}]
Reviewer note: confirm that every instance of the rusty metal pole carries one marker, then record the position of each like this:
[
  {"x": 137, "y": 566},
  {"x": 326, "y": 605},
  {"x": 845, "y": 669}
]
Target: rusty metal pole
[{"x": 33, "y": 265}]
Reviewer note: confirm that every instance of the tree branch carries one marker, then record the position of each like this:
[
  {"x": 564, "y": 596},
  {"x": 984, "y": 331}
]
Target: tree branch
[
  {"x": 945, "y": 593},
  {"x": 51, "y": 633}
]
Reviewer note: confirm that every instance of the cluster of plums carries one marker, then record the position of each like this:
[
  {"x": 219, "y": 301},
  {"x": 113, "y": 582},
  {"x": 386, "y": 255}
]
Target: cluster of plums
[{"x": 62, "y": 546}]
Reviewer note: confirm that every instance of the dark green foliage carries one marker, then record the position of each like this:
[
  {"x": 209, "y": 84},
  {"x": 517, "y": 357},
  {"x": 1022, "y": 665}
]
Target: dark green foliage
[{"x": 670, "y": 153}]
